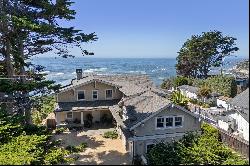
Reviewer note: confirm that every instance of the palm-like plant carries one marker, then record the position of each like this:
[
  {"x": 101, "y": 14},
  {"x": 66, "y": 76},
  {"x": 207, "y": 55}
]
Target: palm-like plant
[
  {"x": 204, "y": 91},
  {"x": 179, "y": 99}
]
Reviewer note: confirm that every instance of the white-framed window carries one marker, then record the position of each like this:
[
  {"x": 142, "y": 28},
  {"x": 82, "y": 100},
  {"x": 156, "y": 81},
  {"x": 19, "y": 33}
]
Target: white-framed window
[
  {"x": 160, "y": 122},
  {"x": 109, "y": 93},
  {"x": 163, "y": 122},
  {"x": 69, "y": 115},
  {"x": 81, "y": 95},
  {"x": 169, "y": 121},
  {"x": 178, "y": 121},
  {"x": 149, "y": 147},
  {"x": 95, "y": 94}
]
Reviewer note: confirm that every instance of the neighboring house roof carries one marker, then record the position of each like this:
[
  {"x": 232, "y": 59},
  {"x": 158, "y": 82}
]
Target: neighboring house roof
[
  {"x": 241, "y": 102},
  {"x": 74, "y": 106},
  {"x": 189, "y": 88},
  {"x": 128, "y": 84}
]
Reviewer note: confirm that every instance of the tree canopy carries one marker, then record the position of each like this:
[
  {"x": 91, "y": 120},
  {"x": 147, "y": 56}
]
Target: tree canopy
[
  {"x": 202, "y": 52},
  {"x": 28, "y": 28}
]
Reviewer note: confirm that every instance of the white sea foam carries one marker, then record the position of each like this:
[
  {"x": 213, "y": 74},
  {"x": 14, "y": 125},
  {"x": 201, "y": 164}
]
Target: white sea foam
[
  {"x": 44, "y": 72},
  {"x": 95, "y": 70},
  {"x": 161, "y": 78},
  {"x": 73, "y": 73},
  {"x": 59, "y": 74}
]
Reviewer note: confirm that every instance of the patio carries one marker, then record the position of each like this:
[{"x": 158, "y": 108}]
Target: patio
[{"x": 101, "y": 151}]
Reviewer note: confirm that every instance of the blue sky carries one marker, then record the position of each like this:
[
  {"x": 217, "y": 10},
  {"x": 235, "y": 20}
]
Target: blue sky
[{"x": 157, "y": 28}]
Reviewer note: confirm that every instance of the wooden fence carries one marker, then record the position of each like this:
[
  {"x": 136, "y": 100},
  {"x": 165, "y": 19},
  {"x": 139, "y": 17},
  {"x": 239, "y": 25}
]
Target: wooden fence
[{"x": 236, "y": 143}]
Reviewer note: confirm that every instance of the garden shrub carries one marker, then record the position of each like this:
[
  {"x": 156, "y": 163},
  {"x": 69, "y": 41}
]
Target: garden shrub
[
  {"x": 60, "y": 130},
  {"x": 111, "y": 134},
  {"x": 76, "y": 149},
  {"x": 56, "y": 156}
]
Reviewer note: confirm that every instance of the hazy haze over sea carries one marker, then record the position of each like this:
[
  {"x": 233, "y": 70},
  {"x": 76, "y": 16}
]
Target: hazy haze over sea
[{"x": 62, "y": 70}]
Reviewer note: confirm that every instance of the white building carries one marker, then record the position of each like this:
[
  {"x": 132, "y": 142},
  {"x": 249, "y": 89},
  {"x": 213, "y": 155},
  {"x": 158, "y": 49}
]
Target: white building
[
  {"x": 239, "y": 112},
  {"x": 222, "y": 101}
]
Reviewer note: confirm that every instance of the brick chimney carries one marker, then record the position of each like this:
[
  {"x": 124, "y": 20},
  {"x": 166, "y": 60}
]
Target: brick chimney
[{"x": 78, "y": 74}]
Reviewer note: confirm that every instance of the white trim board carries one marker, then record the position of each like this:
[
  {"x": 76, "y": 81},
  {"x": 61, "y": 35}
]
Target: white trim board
[{"x": 143, "y": 138}]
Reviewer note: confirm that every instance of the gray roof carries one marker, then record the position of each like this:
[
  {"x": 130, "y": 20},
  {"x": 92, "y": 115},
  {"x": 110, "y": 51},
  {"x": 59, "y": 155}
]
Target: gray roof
[
  {"x": 241, "y": 102},
  {"x": 128, "y": 84},
  {"x": 189, "y": 88},
  {"x": 100, "y": 104},
  {"x": 140, "y": 107}
]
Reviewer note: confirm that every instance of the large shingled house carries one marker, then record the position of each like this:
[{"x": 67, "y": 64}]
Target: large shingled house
[{"x": 142, "y": 113}]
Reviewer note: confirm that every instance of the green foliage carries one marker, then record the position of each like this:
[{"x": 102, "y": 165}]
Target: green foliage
[
  {"x": 180, "y": 80},
  {"x": 24, "y": 149},
  {"x": 56, "y": 156},
  {"x": 111, "y": 134},
  {"x": 59, "y": 130},
  {"x": 224, "y": 85},
  {"x": 195, "y": 149},
  {"x": 27, "y": 144},
  {"x": 168, "y": 83},
  {"x": 76, "y": 149},
  {"x": 44, "y": 106},
  {"x": 179, "y": 99},
  {"x": 202, "y": 52},
  {"x": 204, "y": 91}
]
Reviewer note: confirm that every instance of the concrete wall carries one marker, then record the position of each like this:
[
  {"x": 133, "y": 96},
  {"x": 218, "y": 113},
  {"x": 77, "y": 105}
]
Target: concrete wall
[
  {"x": 242, "y": 125},
  {"x": 190, "y": 123},
  {"x": 71, "y": 94}
]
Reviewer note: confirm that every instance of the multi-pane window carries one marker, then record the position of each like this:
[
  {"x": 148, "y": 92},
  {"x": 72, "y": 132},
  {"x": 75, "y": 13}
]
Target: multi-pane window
[
  {"x": 95, "y": 94},
  {"x": 178, "y": 121},
  {"x": 109, "y": 94},
  {"x": 160, "y": 122},
  {"x": 169, "y": 122},
  {"x": 69, "y": 115},
  {"x": 80, "y": 95}
]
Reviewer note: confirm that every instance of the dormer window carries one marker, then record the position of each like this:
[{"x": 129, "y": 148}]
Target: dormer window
[
  {"x": 81, "y": 95},
  {"x": 95, "y": 94},
  {"x": 109, "y": 94}
]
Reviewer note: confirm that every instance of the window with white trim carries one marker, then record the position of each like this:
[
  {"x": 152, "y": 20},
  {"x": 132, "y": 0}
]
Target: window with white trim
[
  {"x": 69, "y": 115},
  {"x": 169, "y": 122},
  {"x": 160, "y": 122},
  {"x": 95, "y": 94},
  {"x": 149, "y": 147},
  {"x": 178, "y": 121},
  {"x": 80, "y": 95},
  {"x": 109, "y": 94}
]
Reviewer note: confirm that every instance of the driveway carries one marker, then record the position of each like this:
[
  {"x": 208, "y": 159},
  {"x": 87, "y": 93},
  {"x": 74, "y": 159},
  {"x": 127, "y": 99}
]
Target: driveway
[{"x": 100, "y": 150}]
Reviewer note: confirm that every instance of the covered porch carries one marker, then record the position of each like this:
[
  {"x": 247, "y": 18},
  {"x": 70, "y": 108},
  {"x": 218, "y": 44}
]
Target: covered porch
[
  {"x": 86, "y": 118},
  {"x": 84, "y": 113}
]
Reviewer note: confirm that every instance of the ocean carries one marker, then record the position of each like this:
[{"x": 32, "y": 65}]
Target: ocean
[{"x": 62, "y": 70}]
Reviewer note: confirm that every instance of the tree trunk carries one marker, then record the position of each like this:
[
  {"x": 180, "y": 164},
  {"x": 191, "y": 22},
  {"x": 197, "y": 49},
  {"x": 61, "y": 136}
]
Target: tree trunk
[{"x": 25, "y": 94}]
